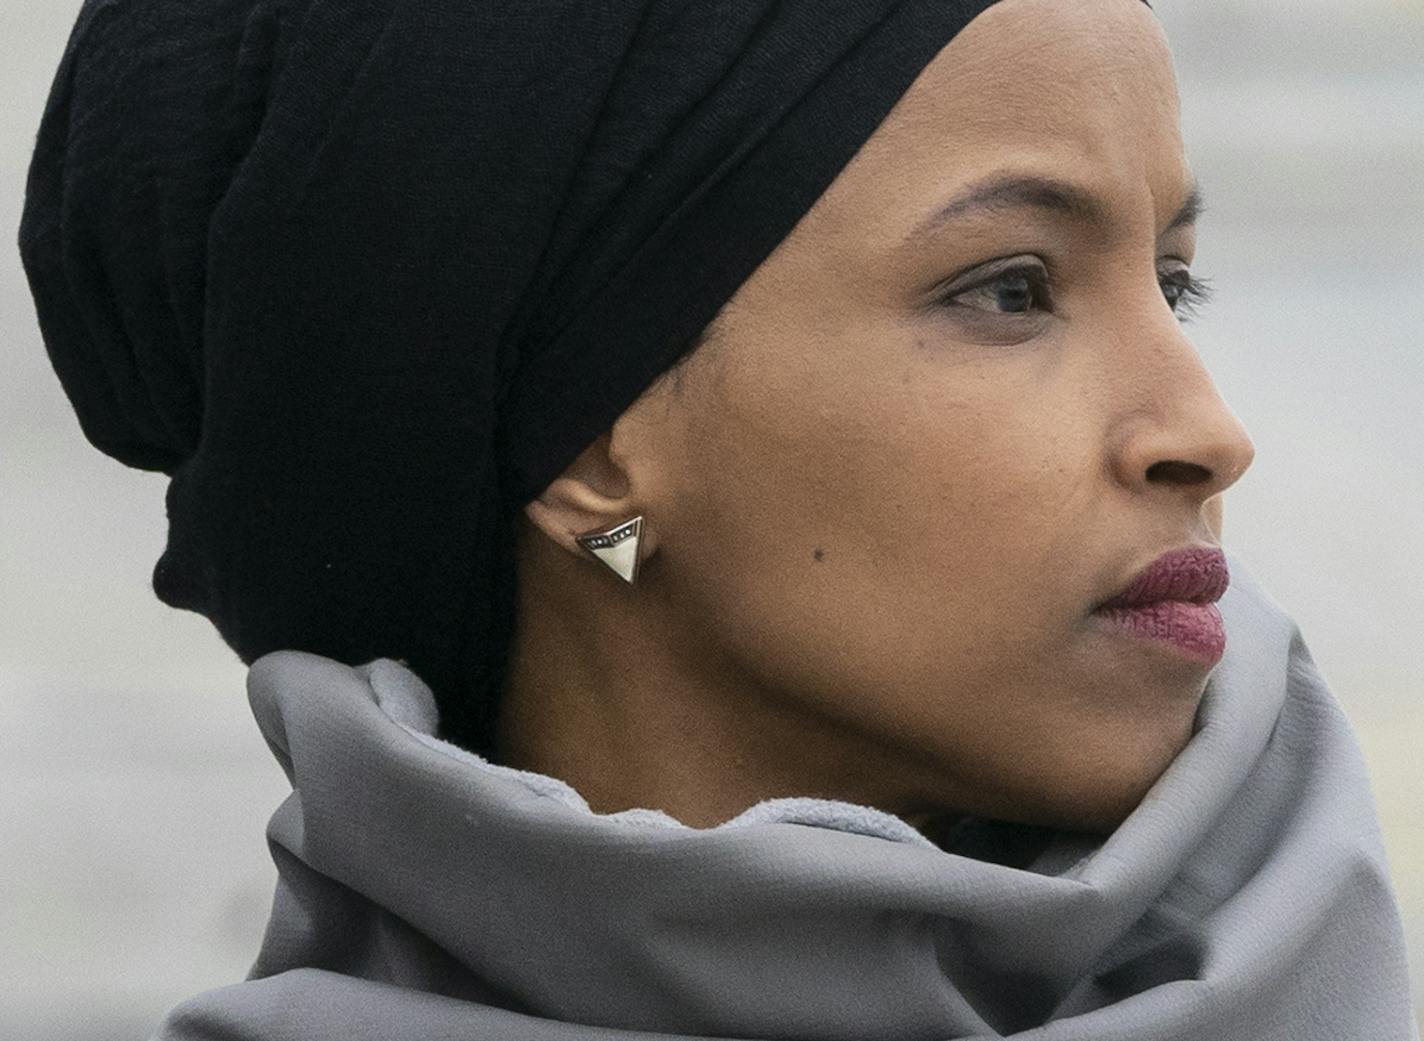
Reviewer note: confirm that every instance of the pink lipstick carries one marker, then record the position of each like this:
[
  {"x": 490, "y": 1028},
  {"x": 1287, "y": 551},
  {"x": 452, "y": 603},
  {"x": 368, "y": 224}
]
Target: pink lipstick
[{"x": 1173, "y": 602}]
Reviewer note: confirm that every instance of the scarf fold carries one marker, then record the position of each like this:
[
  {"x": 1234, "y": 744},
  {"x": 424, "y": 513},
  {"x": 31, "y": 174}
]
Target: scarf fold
[{"x": 424, "y": 891}]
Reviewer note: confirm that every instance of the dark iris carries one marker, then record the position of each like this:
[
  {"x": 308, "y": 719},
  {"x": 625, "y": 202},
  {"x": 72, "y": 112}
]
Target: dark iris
[
  {"x": 1014, "y": 293},
  {"x": 1174, "y": 292}
]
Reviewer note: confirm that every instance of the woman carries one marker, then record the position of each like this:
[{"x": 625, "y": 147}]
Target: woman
[{"x": 722, "y": 515}]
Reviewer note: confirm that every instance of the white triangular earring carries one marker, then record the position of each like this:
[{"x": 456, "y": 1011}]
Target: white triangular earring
[{"x": 616, "y": 547}]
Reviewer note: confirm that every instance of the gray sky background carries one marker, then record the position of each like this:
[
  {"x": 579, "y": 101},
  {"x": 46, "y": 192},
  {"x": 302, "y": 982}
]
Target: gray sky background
[{"x": 124, "y": 725}]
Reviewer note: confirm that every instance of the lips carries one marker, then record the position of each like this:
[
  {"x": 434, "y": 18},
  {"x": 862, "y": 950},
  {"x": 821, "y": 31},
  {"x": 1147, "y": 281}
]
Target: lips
[{"x": 1197, "y": 575}]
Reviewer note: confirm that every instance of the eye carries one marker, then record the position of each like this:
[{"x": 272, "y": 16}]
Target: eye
[
  {"x": 1185, "y": 293},
  {"x": 1019, "y": 290}
]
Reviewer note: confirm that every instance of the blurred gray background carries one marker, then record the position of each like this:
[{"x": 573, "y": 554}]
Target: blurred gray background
[{"x": 124, "y": 727}]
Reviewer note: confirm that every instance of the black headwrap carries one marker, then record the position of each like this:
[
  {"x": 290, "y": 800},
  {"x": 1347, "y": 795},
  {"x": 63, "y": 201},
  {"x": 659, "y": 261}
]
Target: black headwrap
[{"x": 363, "y": 277}]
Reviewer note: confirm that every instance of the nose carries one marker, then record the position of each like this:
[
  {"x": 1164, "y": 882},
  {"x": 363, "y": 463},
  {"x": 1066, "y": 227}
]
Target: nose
[{"x": 1176, "y": 437}]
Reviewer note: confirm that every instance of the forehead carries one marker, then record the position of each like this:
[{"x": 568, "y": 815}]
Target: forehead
[{"x": 1081, "y": 90}]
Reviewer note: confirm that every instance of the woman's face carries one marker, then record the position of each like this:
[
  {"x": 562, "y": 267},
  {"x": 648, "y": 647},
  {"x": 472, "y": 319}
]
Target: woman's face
[{"x": 918, "y": 451}]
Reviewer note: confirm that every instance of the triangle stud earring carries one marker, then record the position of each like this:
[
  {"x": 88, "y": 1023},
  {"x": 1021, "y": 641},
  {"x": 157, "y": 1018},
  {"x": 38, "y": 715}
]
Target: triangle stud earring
[{"x": 616, "y": 547}]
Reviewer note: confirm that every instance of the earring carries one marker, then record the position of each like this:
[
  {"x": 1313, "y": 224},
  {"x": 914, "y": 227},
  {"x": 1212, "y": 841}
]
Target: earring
[{"x": 616, "y": 547}]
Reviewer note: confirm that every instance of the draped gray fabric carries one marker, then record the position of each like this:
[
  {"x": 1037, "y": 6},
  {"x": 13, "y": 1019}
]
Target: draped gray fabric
[{"x": 425, "y": 892}]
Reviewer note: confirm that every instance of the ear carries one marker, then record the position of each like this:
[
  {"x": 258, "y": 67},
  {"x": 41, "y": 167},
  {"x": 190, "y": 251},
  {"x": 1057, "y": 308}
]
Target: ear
[{"x": 592, "y": 494}]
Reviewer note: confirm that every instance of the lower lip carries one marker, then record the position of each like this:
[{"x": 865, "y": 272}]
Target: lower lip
[{"x": 1194, "y": 630}]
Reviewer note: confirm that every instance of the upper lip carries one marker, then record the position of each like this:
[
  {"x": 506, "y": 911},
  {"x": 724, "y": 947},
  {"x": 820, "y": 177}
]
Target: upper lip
[{"x": 1196, "y": 574}]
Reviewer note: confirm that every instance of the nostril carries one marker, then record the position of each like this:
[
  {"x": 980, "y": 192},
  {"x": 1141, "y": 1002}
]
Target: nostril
[{"x": 1178, "y": 472}]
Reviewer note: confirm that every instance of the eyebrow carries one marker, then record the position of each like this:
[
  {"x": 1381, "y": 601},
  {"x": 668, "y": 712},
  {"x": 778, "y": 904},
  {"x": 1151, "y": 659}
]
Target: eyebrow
[{"x": 1010, "y": 192}]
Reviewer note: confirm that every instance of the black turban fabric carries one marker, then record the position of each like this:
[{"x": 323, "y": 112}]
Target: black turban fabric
[{"x": 362, "y": 278}]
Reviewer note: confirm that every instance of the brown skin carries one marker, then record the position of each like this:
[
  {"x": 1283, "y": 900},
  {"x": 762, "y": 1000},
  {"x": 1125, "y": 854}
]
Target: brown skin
[{"x": 877, "y": 515}]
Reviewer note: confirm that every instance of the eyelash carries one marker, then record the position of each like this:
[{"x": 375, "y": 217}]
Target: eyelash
[{"x": 1193, "y": 292}]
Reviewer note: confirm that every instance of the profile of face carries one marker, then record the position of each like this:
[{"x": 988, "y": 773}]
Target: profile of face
[{"x": 953, "y": 412}]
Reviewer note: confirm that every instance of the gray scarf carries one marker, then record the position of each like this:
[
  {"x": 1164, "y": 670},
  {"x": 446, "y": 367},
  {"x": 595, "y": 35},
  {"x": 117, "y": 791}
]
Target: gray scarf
[{"x": 427, "y": 893}]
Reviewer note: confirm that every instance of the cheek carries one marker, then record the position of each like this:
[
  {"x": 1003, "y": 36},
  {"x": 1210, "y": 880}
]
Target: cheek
[{"x": 874, "y": 533}]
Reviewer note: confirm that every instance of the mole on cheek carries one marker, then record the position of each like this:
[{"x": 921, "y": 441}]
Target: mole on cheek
[{"x": 819, "y": 554}]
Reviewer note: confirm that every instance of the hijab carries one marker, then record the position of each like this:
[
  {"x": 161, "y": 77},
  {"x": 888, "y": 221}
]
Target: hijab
[
  {"x": 363, "y": 277},
  {"x": 424, "y": 891}
]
